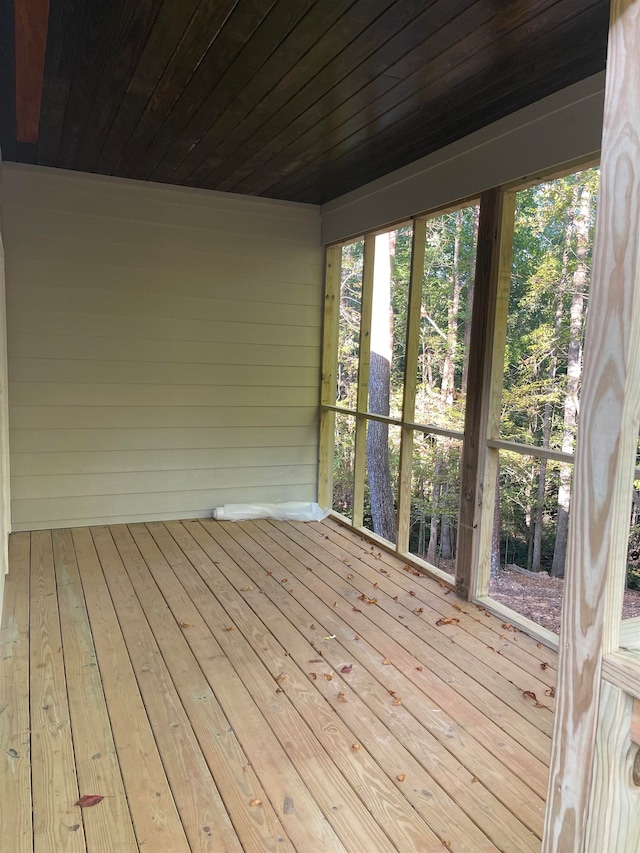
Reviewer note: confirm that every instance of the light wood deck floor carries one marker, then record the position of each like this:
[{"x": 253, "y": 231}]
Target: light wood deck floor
[{"x": 260, "y": 687}]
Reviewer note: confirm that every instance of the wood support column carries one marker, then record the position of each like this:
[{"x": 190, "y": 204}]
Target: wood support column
[
  {"x": 329, "y": 375},
  {"x": 484, "y": 390},
  {"x": 583, "y": 814}
]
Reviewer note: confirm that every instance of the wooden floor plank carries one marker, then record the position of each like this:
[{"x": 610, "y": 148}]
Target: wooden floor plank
[
  {"x": 57, "y": 822},
  {"x": 464, "y": 736},
  {"x": 438, "y": 596},
  {"x": 392, "y": 636},
  {"x": 340, "y": 804},
  {"x": 108, "y": 827},
  {"x": 464, "y": 788},
  {"x": 481, "y": 669},
  {"x": 187, "y": 670},
  {"x": 425, "y": 793},
  {"x": 15, "y": 745},
  {"x": 243, "y": 752},
  {"x": 204, "y": 818},
  {"x": 515, "y": 645}
]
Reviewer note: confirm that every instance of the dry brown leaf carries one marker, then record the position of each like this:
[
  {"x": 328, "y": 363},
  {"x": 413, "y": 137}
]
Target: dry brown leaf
[
  {"x": 550, "y": 692},
  {"x": 315, "y": 660},
  {"x": 341, "y": 697},
  {"x": 284, "y": 580},
  {"x": 349, "y": 576},
  {"x": 313, "y": 627},
  {"x": 507, "y": 626},
  {"x": 255, "y": 803},
  {"x": 371, "y": 601},
  {"x": 230, "y": 628},
  {"x": 395, "y": 597},
  {"x": 185, "y": 625},
  {"x": 401, "y": 777},
  {"x": 355, "y": 747},
  {"x": 376, "y": 585},
  {"x": 448, "y": 620},
  {"x": 328, "y": 676},
  {"x": 411, "y": 592},
  {"x": 544, "y": 665},
  {"x": 356, "y": 610},
  {"x": 530, "y": 695},
  {"x": 362, "y": 597},
  {"x": 397, "y": 701},
  {"x": 356, "y": 637},
  {"x": 538, "y": 645},
  {"x": 419, "y": 668},
  {"x": 313, "y": 675},
  {"x": 386, "y": 662},
  {"x": 347, "y": 668},
  {"x": 89, "y": 800},
  {"x": 418, "y": 611},
  {"x": 280, "y": 677}
]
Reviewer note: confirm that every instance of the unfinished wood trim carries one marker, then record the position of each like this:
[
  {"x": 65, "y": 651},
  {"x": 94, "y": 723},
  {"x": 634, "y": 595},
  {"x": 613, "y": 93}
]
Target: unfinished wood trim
[
  {"x": 531, "y": 450},
  {"x": 531, "y": 628},
  {"x": 478, "y": 465},
  {"x": 329, "y": 374},
  {"x": 630, "y": 634},
  {"x": 614, "y": 822},
  {"x": 623, "y": 670},
  {"x": 360, "y": 452},
  {"x": 410, "y": 382},
  {"x": 605, "y": 453}
]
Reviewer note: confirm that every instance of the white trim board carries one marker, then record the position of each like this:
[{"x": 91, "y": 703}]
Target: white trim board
[{"x": 561, "y": 128}]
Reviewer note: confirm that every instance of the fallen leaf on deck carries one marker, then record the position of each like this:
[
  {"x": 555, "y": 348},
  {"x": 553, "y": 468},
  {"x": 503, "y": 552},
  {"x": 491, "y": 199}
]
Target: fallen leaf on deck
[
  {"x": 550, "y": 692},
  {"x": 418, "y": 611},
  {"x": 280, "y": 677},
  {"x": 89, "y": 800},
  {"x": 341, "y": 697},
  {"x": 411, "y": 592},
  {"x": 284, "y": 580},
  {"x": 371, "y": 601},
  {"x": 313, "y": 627},
  {"x": 507, "y": 626},
  {"x": 347, "y": 668},
  {"x": 356, "y": 610},
  {"x": 474, "y": 779},
  {"x": 538, "y": 645},
  {"x": 356, "y": 637},
  {"x": 448, "y": 620},
  {"x": 401, "y": 777},
  {"x": 313, "y": 675},
  {"x": 230, "y": 628},
  {"x": 441, "y": 583},
  {"x": 185, "y": 625},
  {"x": 530, "y": 695},
  {"x": 355, "y": 747},
  {"x": 386, "y": 662},
  {"x": 395, "y": 597},
  {"x": 328, "y": 676},
  {"x": 349, "y": 576},
  {"x": 544, "y": 665},
  {"x": 419, "y": 668},
  {"x": 397, "y": 701},
  {"x": 376, "y": 585},
  {"x": 315, "y": 660},
  {"x": 362, "y": 597},
  {"x": 255, "y": 803}
]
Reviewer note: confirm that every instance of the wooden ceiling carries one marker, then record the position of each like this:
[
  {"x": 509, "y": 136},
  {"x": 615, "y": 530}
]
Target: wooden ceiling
[{"x": 291, "y": 99}]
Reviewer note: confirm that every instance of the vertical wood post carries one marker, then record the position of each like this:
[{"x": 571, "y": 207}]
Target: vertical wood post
[
  {"x": 360, "y": 452},
  {"x": 604, "y": 469},
  {"x": 410, "y": 374},
  {"x": 478, "y": 468},
  {"x": 329, "y": 374}
]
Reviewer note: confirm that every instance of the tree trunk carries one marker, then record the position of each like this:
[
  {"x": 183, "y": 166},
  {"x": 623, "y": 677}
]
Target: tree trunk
[
  {"x": 469, "y": 311},
  {"x": 536, "y": 563},
  {"x": 432, "y": 548},
  {"x": 574, "y": 372},
  {"x": 382, "y": 500}
]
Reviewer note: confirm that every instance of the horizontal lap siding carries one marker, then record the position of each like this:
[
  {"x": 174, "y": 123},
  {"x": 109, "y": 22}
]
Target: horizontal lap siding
[{"x": 164, "y": 349}]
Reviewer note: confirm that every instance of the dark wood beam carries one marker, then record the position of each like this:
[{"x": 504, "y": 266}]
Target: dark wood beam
[{"x": 31, "y": 20}]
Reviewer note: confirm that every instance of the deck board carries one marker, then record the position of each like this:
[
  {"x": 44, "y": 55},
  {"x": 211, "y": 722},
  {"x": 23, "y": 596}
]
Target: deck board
[{"x": 192, "y": 673}]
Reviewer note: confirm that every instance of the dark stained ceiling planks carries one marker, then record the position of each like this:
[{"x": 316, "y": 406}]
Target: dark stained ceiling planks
[{"x": 294, "y": 99}]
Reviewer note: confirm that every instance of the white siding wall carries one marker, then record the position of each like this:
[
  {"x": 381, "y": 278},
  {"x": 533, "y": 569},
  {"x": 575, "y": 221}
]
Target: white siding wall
[{"x": 164, "y": 348}]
